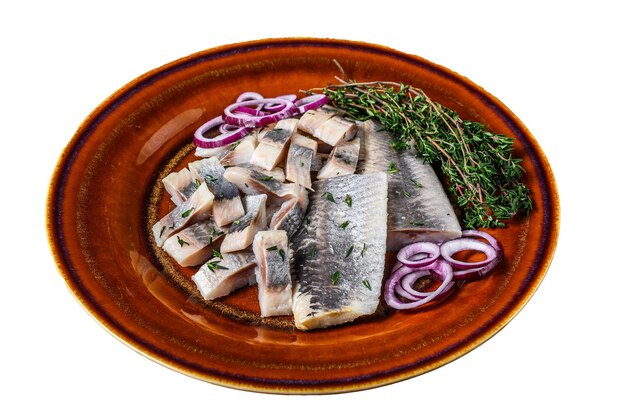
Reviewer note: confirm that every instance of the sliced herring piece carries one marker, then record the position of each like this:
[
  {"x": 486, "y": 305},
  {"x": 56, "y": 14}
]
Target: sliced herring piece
[
  {"x": 180, "y": 185},
  {"x": 220, "y": 277},
  {"x": 343, "y": 159},
  {"x": 196, "y": 208},
  {"x": 242, "y": 231},
  {"x": 335, "y": 129},
  {"x": 227, "y": 206},
  {"x": 273, "y": 274},
  {"x": 272, "y": 146},
  {"x": 194, "y": 244}
]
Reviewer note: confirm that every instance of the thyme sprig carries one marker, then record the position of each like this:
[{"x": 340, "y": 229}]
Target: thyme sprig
[{"x": 480, "y": 171}]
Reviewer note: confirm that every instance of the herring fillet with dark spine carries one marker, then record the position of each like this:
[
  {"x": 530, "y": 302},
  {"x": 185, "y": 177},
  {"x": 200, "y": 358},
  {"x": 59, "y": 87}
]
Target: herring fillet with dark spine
[
  {"x": 340, "y": 251},
  {"x": 227, "y": 205},
  {"x": 419, "y": 209}
]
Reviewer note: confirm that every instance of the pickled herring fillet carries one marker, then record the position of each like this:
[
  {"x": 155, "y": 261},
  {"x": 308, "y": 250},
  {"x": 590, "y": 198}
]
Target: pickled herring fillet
[
  {"x": 220, "y": 277},
  {"x": 334, "y": 130},
  {"x": 291, "y": 213},
  {"x": 312, "y": 119},
  {"x": 419, "y": 209},
  {"x": 194, "y": 244},
  {"x": 242, "y": 231},
  {"x": 343, "y": 159},
  {"x": 196, "y": 208},
  {"x": 240, "y": 152},
  {"x": 299, "y": 159},
  {"x": 253, "y": 181},
  {"x": 272, "y": 146},
  {"x": 180, "y": 185},
  {"x": 227, "y": 206},
  {"x": 273, "y": 274},
  {"x": 340, "y": 251}
]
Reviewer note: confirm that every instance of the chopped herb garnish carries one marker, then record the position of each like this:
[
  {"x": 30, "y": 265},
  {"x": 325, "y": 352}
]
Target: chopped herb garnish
[
  {"x": 367, "y": 284},
  {"x": 307, "y": 221},
  {"x": 198, "y": 183},
  {"x": 236, "y": 222},
  {"x": 416, "y": 184},
  {"x": 348, "y": 200},
  {"x": 392, "y": 168},
  {"x": 301, "y": 164},
  {"x": 187, "y": 213},
  {"x": 210, "y": 177},
  {"x": 181, "y": 242},
  {"x": 233, "y": 146},
  {"x": 220, "y": 233},
  {"x": 282, "y": 254},
  {"x": 162, "y": 230},
  {"x": 217, "y": 254},
  {"x": 363, "y": 250},
  {"x": 344, "y": 224},
  {"x": 213, "y": 265},
  {"x": 407, "y": 194},
  {"x": 329, "y": 197},
  {"x": 266, "y": 178},
  {"x": 334, "y": 278},
  {"x": 416, "y": 224},
  {"x": 349, "y": 251},
  {"x": 247, "y": 186},
  {"x": 272, "y": 248},
  {"x": 314, "y": 252}
]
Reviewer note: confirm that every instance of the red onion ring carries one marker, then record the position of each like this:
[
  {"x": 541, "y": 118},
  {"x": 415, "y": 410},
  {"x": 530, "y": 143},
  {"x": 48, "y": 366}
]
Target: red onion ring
[
  {"x": 430, "y": 249},
  {"x": 220, "y": 140},
  {"x": 441, "y": 269},
  {"x": 451, "y": 247},
  {"x": 236, "y": 118},
  {"x": 311, "y": 102},
  {"x": 249, "y": 95},
  {"x": 278, "y": 107}
]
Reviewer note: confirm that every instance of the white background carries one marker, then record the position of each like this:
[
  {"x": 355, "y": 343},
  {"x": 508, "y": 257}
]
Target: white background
[{"x": 558, "y": 66}]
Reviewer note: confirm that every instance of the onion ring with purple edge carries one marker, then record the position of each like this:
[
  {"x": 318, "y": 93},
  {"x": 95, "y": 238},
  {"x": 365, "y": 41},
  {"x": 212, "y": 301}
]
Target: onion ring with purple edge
[
  {"x": 431, "y": 250},
  {"x": 220, "y": 140},
  {"x": 278, "y": 107},
  {"x": 451, "y": 247},
  {"x": 250, "y": 121},
  {"x": 249, "y": 95},
  {"x": 475, "y": 273},
  {"x": 311, "y": 102},
  {"x": 440, "y": 268}
]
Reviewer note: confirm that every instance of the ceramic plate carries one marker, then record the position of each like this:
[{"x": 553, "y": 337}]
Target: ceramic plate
[{"x": 106, "y": 190}]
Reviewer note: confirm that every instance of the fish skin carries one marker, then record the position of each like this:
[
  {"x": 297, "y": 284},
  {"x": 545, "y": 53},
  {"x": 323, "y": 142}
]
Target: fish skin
[
  {"x": 221, "y": 282},
  {"x": 272, "y": 272},
  {"x": 419, "y": 209},
  {"x": 291, "y": 213},
  {"x": 194, "y": 244},
  {"x": 242, "y": 231},
  {"x": 253, "y": 181},
  {"x": 196, "y": 208},
  {"x": 272, "y": 147},
  {"x": 227, "y": 206},
  {"x": 299, "y": 164},
  {"x": 323, "y": 246},
  {"x": 343, "y": 159},
  {"x": 180, "y": 185}
]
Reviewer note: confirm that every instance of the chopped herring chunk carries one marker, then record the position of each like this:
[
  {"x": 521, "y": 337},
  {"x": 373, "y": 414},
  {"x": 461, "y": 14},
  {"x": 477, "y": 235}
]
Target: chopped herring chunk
[
  {"x": 272, "y": 145},
  {"x": 194, "y": 244},
  {"x": 273, "y": 275},
  {"x": 343, "y": 159},
  {"x": 242, "y": 231},
  {"x": 196, "y": 208},
  {"x": 220, "y": 276},
  {"x": 253, "y": 181},
  {"x": 291, "y": 213},
  {"x": 240, "y": 152},
  {"x": 334, "y": 130},
  {"x": 180, "y": 185},
  {"x": 299, "y": 159}
]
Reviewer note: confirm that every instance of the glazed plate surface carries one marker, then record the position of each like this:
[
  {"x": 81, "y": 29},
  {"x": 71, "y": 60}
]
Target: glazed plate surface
[{"x": 106, "y": 190}]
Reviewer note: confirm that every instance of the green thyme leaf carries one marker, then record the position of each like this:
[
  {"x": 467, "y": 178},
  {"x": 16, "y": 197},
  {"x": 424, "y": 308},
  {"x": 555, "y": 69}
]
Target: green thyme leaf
[
  {"x": 181, "y": 242},
  {"x": 344, "y": 224},
  {"x": 348, "y": 200},
  {"x": 367, "y": 284},
  {"x": 349, "y": 252},
  {"x": 334, "y": 278},
  {"x": 282, "y": 254},
  {"x": 217, "y": 254},
  {"x": 187, "y": 213},
  {"x": 162, "y": 231},
  {"x": 329, "y": 197},
  {"x": 392, "y": 168}
]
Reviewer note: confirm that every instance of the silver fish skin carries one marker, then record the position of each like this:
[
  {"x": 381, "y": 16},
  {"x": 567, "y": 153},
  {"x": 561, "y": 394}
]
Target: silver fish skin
[
  {"x": 340, "y": 251},
  {"x": 272, "y": 147},
  {"x": 242, "y": 231},
  {"x": 299, "y": 159},
  {"x": 194, "y": 244},
  {"x": 227, "y": 206},
  {"x": 291, "y": 213},
  {"x": 220, "y": 277},
  {"x": 419, "y": 209},
  {"x": 196, "y": 208},
  {"x": 277, "y": 173},
  {"x": 253, "y": 181},
  {"x": 180, "y": 185},
  {"x": 273, "y": 273},
  {"x": 343, "y": 159}
]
